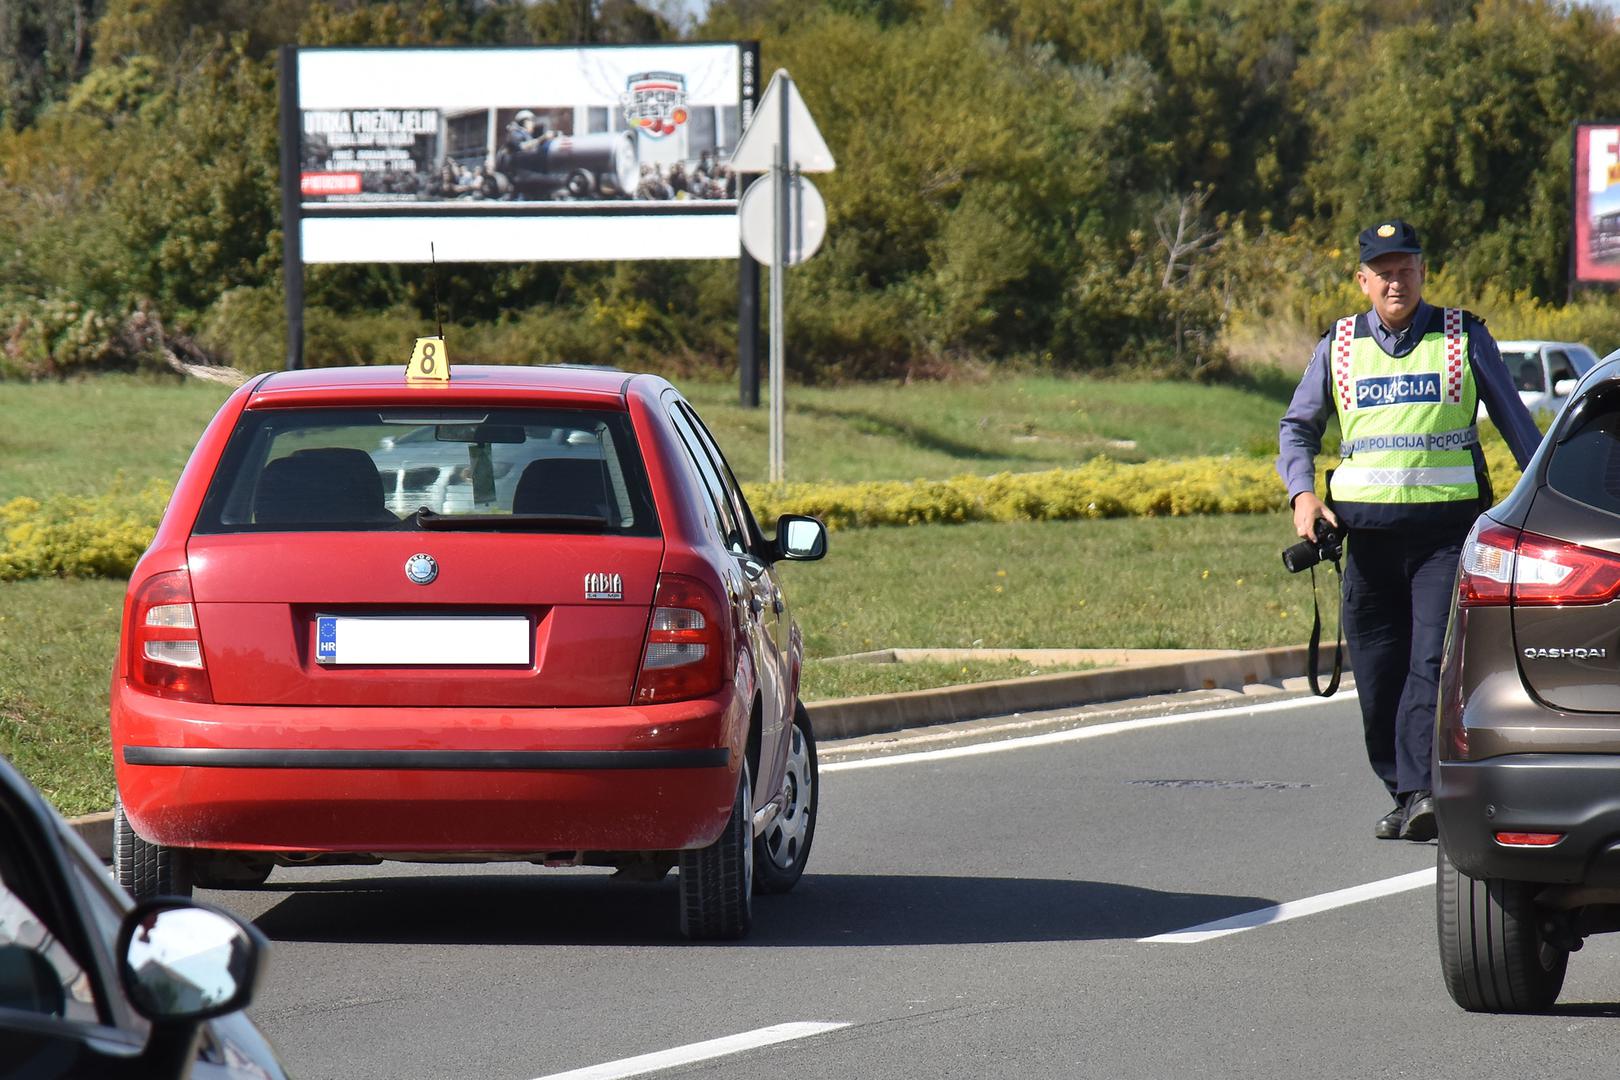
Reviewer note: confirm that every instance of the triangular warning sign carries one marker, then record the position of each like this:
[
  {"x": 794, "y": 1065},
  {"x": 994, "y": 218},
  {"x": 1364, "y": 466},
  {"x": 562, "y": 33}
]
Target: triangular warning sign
[{"x": 807, "y": 150}]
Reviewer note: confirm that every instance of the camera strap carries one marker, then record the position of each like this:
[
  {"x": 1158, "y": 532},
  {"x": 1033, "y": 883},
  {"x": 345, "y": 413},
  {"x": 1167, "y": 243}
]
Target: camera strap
[{"x": 1315, "y": 668}]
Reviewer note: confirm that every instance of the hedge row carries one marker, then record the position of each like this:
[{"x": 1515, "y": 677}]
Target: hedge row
[
  {"x": 73, "y": 536},
  {"x": 76, "y": 536}
]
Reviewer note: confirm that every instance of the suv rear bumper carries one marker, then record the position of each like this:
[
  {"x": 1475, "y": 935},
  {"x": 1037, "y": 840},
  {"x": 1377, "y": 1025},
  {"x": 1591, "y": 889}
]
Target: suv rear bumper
[
  {"x": 379, "y": 780},
  {"x": 1574, "y": 794}
]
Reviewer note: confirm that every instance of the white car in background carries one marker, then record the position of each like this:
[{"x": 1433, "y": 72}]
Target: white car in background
[{"x": 1544, "y": 372}]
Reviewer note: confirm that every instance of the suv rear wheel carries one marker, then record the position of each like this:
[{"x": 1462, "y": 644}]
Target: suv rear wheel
[
  {"x": 781, "y": 851},
  {"x": 144, "y": 869},
  {"x": 717, "y": 882},
  {"x": 1493, "y": 951}
]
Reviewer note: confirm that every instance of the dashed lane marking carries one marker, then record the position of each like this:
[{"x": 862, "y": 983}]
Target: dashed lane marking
[
  {"x": 1094, "y": 731},
  {"x": 1295, "y": 909},
  {"x": 702, "y": 1051}
]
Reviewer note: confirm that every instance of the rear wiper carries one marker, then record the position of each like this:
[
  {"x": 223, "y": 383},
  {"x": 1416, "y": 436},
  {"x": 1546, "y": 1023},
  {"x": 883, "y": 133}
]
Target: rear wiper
[{"x": 427, "y": 519}]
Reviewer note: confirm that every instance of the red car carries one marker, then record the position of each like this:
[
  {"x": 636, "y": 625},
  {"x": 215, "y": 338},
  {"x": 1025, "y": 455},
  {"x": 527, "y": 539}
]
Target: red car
[{"x": 523, "y": 615}]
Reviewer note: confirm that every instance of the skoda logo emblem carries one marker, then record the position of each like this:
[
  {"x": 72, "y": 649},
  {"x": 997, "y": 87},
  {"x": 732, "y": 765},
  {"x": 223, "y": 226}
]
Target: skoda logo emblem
[{"x": 421, "y": 568}]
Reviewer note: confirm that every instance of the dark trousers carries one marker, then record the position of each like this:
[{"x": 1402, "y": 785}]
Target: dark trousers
[{"x": 1398, "y": 586}]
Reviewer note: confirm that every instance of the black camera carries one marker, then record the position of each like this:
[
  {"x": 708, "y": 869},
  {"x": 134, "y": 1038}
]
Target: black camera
[{"x": 1326, "y": 546}]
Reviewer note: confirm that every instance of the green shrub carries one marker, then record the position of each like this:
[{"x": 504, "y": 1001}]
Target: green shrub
[{"x": 74, "y": 536}]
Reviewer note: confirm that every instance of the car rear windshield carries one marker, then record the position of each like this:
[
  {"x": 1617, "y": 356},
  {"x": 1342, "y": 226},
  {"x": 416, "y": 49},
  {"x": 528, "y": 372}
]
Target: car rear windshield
[
  {"x": 564, "y": 470},
  {"x": 1585, "y": 463}
]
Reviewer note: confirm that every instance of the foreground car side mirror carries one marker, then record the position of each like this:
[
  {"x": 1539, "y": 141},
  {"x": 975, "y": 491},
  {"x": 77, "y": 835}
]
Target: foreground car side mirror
[
  {"x": 799, "y": 537},
  {"x": 181, "y": 961}
]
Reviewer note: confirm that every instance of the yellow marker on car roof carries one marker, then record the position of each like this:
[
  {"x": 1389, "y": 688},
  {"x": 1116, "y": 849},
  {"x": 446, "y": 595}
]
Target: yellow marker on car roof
[{"x": 430, "y": 362}]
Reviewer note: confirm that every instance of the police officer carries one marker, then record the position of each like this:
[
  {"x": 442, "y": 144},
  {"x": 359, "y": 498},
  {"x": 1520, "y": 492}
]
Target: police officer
[{"x": 1405, "y": 380}]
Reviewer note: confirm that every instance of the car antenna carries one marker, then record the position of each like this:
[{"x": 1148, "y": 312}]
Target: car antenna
[{"x": 438, "y": 314}]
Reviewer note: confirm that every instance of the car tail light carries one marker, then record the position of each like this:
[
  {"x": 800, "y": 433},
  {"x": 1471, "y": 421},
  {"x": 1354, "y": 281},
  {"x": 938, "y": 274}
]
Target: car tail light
[
  {"x": 1528, "y": 839},
  {"x": 686, "y": 655},
  {"x": 165, "y": 645},
  {"x": 1502, "y": 566}
]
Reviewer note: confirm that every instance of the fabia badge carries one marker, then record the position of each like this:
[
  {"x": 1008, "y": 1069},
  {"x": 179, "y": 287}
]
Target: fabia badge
[
  {"x": 604, "y": 587},
  {"x": 421, "y": 568}
]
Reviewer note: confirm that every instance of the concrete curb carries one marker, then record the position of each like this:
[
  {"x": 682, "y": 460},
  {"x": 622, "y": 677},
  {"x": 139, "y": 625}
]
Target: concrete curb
[{"x": 848, "y": 718}]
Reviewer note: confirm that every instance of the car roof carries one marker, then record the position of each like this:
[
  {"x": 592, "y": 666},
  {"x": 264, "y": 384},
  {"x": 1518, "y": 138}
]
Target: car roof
[
  {"x": 1536, "y": 343},
  {"x": 469, "y": 384}
]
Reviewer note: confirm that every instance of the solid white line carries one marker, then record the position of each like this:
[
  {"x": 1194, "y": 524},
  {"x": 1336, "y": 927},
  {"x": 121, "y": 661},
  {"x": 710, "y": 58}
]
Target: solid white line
[
  {"x": 1295, "y": 909},
  {"x": 1095, "y": 731},
  {"x": 703, "y": 1051}
]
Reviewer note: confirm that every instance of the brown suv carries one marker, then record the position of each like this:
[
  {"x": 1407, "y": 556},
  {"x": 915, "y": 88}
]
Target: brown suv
[{"x": 1527, "y": 776}]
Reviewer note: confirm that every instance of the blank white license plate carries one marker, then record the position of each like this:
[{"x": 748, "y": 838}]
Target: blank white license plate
[{"x": 421, "y": 639}]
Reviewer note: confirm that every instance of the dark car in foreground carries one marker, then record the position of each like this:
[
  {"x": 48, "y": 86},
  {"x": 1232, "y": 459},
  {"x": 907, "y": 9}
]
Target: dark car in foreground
[
  {"x": 94, "y": 986},
  {"x": 1527, "y": 772},
  {"x": 521, "y": 615}
]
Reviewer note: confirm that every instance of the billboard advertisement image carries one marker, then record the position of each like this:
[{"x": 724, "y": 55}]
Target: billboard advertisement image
[
  {"x": 520, "y": 154},
  {"x": 1597, "y": 203}
]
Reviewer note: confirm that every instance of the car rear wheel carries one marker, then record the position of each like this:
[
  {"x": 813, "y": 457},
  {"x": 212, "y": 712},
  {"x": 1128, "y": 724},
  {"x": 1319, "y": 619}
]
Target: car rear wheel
[
  {"x": 782, "y": 850},
  {"x": 144, "y": 869},
  {"x": 717, "y": 882},
  {"x": 1493, "y": 951}
]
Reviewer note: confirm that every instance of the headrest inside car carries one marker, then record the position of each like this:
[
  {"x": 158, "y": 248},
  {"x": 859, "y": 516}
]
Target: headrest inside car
[
  {"x": 564, "y": 487},
  {"x": 326, "y": 486}
]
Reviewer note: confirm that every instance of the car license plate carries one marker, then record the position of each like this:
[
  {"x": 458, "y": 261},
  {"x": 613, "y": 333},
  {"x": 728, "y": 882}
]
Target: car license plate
[{"x": 422, "y": 639}]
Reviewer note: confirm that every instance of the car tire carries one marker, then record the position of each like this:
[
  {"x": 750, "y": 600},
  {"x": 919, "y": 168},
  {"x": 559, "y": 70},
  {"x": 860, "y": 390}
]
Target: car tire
[
  {"x": 145, "y": 869},
  {"x": 1493, "y": 953},
  {"x": 230, "y": 869},
  {"x": 781, "y": 851},
  {"x": 716, "y": 882}
]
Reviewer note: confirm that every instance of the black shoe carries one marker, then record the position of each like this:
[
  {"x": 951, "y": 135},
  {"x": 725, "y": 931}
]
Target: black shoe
[
  {"x": 1389, "y": 826},
  {"x": 1419, "y": 817}
]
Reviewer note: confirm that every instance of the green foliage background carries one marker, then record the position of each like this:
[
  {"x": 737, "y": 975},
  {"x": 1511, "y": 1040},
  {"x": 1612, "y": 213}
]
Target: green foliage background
[{"x": 1140, "y": 185}]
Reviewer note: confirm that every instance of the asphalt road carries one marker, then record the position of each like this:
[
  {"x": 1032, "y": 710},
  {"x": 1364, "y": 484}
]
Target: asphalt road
[{"x": 965, "y": 916}]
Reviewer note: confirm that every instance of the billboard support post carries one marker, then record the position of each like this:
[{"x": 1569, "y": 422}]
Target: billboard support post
[
  {"x": 292, "y": 258},
  {"x": 748, "y": 330}
]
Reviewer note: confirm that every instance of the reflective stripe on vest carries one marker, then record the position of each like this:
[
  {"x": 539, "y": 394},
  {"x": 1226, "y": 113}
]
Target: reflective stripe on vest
[{"x": 1407, "y": 423}]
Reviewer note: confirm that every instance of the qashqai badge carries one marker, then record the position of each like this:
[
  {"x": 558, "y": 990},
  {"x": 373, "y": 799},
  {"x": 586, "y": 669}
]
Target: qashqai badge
[{"x": 421, "y": 568}]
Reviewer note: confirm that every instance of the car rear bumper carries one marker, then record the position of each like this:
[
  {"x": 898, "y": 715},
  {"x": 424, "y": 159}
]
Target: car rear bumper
[
  {"x": 1577, "y": 795},
  {"x": 381, "y": 780}
]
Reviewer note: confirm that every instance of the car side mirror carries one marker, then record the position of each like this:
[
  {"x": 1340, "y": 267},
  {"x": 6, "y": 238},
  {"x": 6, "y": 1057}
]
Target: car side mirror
[
  {"x": 182, "y": 962},
  {"x": 1564, "y": 387},
  {"x": 800, "y": 538}
]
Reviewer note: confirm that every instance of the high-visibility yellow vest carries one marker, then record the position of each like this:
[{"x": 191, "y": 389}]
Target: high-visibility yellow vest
[{"x": 1406, "y": 424}]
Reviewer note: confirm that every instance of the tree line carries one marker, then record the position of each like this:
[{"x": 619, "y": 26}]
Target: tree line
[{"x": 1066, "y": 184}]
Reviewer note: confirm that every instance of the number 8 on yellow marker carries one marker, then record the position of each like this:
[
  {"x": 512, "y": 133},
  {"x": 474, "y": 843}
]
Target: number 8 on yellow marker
[{"x": 430, "y": 362}]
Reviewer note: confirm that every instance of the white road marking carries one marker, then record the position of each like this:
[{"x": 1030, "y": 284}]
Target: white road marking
[
  {"x": 1095, "y": 731},
  {"x": 703, "y": 1051},
  {"x": 1295, "y": 909}
]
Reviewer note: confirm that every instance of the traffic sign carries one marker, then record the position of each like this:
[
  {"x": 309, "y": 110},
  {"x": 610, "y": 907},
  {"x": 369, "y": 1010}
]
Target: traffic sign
[
  {"x": 807, "y": 220},
  {"x": 756, "y": 150}
]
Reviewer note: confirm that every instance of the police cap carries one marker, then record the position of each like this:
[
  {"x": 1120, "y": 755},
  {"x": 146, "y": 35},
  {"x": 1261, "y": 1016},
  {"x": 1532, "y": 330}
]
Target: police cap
[{"x": 1387, "y": 238}]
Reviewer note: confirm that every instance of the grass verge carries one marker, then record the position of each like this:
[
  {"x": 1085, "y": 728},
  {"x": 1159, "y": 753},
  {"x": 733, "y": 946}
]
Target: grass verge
[
  {"x": 825, "y": 679},
  {"x": 75, "y": 437}
]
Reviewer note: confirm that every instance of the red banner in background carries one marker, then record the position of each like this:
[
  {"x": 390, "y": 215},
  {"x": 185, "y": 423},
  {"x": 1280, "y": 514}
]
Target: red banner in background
[{"x": 1597, "y": 202}]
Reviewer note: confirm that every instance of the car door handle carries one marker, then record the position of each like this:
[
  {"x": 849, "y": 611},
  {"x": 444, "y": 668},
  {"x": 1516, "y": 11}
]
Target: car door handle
[{"x": 776, "y": 604}]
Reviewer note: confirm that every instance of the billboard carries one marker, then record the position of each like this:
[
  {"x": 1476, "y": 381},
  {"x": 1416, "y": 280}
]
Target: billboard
[
  {"x": 518, "y": 154},
  {"x": 1596, "y": 244}
]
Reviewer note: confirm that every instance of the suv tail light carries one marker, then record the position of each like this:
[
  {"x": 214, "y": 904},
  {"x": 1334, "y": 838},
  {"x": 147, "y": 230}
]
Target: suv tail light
[
  {"x": 686, "y": 655},
  {"x": 1504, "y": 566},
  {"x": 165, "y": 646}
]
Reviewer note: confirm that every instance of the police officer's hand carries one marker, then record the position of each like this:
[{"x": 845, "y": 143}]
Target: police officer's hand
[{"x": 1307, "y": 510}]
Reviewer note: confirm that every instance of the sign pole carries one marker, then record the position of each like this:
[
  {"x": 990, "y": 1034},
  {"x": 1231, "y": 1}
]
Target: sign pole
[{"x": 778, "y": 307}]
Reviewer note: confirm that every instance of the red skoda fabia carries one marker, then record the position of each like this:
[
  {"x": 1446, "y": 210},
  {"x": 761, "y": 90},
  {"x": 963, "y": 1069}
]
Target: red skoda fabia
[{"x": 522, "y": 615}]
